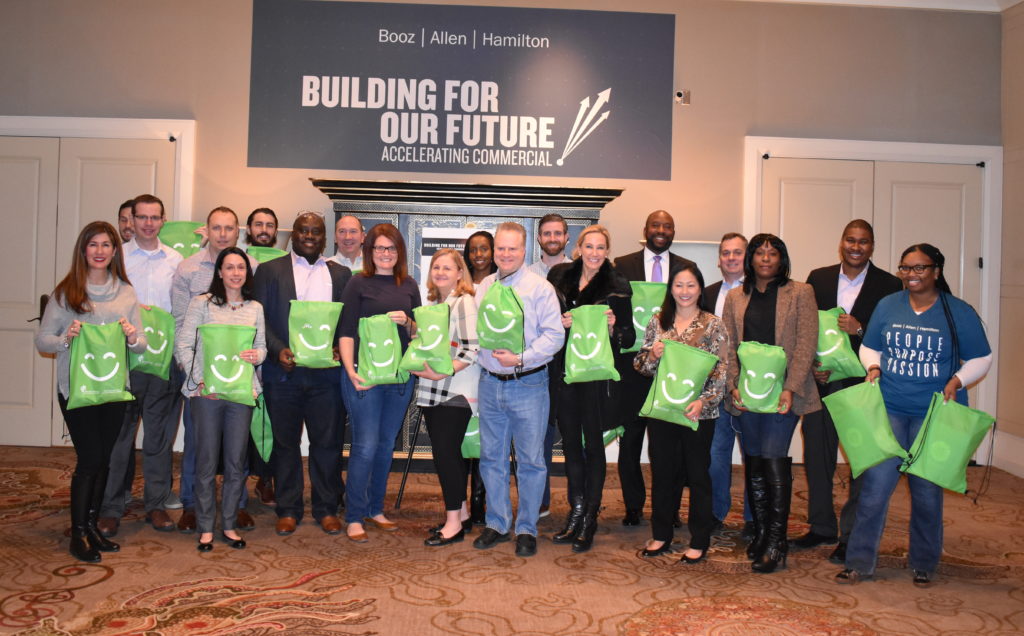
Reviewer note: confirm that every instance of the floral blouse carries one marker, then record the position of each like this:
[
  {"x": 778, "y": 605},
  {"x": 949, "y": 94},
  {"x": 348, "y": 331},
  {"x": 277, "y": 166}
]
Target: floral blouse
[{"x": 714, "y": 340}]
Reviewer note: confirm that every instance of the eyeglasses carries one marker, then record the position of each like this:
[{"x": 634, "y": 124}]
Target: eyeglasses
[
  {"x": 917, "y": 269},
  {"x": 385, "y": 249},
  {"x": 152, "y": 219}
]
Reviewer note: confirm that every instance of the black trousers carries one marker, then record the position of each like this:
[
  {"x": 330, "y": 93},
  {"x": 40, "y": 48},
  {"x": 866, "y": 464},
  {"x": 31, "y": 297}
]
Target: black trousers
[
  {"x": 93, "y": 430},
  {"x": 634, "y": 389},
  {"x": 446, "y": 426},
  {"x": 679, "y": 455},
  {"x": 820, "y": 445},
  {"x": 580, "y": 409}
]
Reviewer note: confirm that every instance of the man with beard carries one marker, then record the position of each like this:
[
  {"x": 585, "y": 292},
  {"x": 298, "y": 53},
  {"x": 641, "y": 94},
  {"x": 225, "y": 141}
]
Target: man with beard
[
  {"x": 298, "y": 395},
  {"x": 124, "y": 221},
  {"x": 856, "y": 285},
  {"x": 348, "y": 241},
  {"x": 653, "y": 263},
  {"x": 261, "y": 228}
]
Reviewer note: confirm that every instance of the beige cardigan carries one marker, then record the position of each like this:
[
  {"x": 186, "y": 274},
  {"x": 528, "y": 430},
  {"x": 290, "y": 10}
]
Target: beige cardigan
[{"x": 796, "y": 331}]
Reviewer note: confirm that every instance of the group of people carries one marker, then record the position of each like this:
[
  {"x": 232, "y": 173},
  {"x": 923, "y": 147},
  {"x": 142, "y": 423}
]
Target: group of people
[{"x": 516, "y": 390}]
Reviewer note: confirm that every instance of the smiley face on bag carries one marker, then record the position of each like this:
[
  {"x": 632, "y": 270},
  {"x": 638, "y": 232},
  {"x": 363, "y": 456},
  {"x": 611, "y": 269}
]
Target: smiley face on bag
[
  {"x": 109, "y": 355},
  {"x": 236, "y": 366},
  {"x": 309, "y": 333},
  {"x": 386, "y": 348},
  {"x": 492, "y": 315},
  {"x": 590, "y": 339},
  {"x": 673, "y": 380},
  {"x": 753, "y": 382},
  {"x": 431, "y": 337},
  {"x": 643, "y": 315},
  {"x": 830, "y": 340},
  {"x": 151, "y": 340}
]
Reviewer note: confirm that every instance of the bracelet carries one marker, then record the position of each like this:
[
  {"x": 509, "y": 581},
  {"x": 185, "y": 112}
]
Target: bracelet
[{"x": 67, "y": 342}]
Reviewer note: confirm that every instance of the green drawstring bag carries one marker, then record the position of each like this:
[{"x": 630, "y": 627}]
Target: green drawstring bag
[
  {"x": 646, "y": 299},
  {"x": 260, "y": 430},
  {"x": 834, "y": 350},
  {"x": 264, "y": 254},
  {"x": 471, "y": 442},
  {"x": 98, "y": 367},
  {"x": 948, "y": 438},
  {"x": 226, "y": 374},
  {"x": 158, "y": 325},
  {"x": 380, "y": 351},
  {"x": 863, "y": 426},
  {"x": 610, "y": 435},
  {"x": 762, "y": 375},
  {"x": 682, "y": 372},
  {"x": 181, "y": 235},
  {"x": 432, "y": 343},
  {"x": 311, "y": 328},
  {"x": 588, "y": 354},
  {"x": 500, "y": 319}
]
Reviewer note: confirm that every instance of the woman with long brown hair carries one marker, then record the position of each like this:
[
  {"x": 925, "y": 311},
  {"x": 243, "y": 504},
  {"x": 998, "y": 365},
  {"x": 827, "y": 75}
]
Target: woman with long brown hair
[{"x": 95, "y": 290}]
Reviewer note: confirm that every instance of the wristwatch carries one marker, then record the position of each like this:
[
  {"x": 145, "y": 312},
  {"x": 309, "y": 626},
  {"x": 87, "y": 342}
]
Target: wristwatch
[{"x": 860, "y": 332}]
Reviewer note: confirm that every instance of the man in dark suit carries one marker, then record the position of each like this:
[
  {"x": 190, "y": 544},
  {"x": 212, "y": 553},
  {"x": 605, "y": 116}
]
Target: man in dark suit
[
  {"x": 731, "y": 251},
  {"x": 298, "y": 394},
  {"x": 856, "y": 285},
  {"x": 653, "y": 263}
]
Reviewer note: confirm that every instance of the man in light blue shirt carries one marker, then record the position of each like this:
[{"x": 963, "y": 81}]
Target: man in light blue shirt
[
  {"x": 150, "y": 265},
  {"x": 513, "y": 397},
  {"x": 348, "y": 240}
]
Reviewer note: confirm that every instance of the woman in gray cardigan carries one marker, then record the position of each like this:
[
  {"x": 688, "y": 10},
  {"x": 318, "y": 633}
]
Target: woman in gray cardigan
[{"x": 96, "y": 290}]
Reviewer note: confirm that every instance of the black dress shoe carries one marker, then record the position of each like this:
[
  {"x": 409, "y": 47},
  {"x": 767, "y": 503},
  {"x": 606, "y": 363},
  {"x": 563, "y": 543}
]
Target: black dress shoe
[
  {"x": 526, "y": 545},
  {"x": 665, "y": 548},
  {"x": 922, "y": 578},
  {"x": 697, "y": 559},
  {"x": 851, "y": 577},
  {"x": 717, "y": 526},
  {"x": 490, "y": 538},
  {"x": 677, "y": 522},
  {"x": 237, "y": 544},
  {"x": 812, "y": 540},
  {"x": 204, "y": 547},
  {"x": 838, "y": 555},
  {"x": 437, "y": 539},
  {"x": 632, "y": 518}
]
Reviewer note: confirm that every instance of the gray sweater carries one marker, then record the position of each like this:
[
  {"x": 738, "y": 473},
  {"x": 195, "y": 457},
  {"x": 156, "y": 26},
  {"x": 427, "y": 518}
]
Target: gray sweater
[
  {"x": 110, "y": 302},
  {"x": 200, "y": 312}
]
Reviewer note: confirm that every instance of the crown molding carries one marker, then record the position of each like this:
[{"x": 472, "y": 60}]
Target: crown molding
[{"x": 975, "y": 6}]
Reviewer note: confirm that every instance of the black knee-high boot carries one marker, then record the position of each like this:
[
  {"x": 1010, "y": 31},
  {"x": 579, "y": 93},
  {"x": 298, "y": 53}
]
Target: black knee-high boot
[
  {"x": 81, "y": 546},
  {"x": 779, "y": 471},
  {"x": 96, "y": 537},
  {"x": 757, "y": 495}
]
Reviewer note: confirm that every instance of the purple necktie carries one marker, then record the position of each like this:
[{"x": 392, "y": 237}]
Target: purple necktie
[{"x": 656, "y": 270}]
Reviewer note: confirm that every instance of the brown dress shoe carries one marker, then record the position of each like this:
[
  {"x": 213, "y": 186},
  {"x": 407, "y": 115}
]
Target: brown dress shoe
[
  {"x": 264, "y": 489},
  {"x": 331, "y": 525},
  {"x": 387, "y": 526},
  {"x": 187, "y": 521},
  {"x": 286, "y": 526},
  {"x": 160, "y": 520},
  {"x": 244, "y": 521},
  {"x": 108, "y": 526}
]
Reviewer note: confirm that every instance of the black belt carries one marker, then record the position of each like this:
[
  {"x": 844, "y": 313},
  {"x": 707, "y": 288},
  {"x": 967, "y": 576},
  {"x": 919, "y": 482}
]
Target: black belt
[{"x": 505, "y": 377}]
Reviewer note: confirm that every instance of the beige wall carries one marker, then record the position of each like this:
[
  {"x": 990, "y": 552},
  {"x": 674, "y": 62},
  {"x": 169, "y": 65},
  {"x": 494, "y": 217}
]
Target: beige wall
[
  {"x": 785, "y": 70},
  {"x": 1011, "y": 398}
]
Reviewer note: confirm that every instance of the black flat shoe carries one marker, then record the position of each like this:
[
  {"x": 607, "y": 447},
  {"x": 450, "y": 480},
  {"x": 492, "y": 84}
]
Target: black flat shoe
[
  {"x": 437, "y": 539},
  {"x": 838, "y": 555},
  {"x": 632, "y": 518},
  {"x": 467, "y": 526},
  {"x": 693, "y": 560},
  {"x": 204, "y": 547},
  {"x": 647, "y": 553},
  {"x": 237, "y": 544}
]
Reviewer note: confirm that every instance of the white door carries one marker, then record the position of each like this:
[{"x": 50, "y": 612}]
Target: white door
[{"x": 28, "y": 192}]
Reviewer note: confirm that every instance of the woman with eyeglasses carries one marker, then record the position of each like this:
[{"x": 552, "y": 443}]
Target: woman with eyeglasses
[
  {"x": 920, "y": 341},
  {"x": 376, "y": 413}
]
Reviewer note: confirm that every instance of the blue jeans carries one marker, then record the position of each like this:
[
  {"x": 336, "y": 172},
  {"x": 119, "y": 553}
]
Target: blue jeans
[
  {"x": 721, "y": 466},
  {"x": 876, "y": 486},
  {"x": 375, "y": 417},
  {"x": 513, "y": 411},
  {"x": 767, "y": 435}
]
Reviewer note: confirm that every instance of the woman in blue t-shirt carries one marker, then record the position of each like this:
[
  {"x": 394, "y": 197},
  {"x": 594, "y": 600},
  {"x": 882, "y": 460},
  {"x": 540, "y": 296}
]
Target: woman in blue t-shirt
[{"x": 914, "y": 346}]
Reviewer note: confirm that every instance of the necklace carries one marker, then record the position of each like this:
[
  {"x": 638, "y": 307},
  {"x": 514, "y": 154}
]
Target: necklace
[{"x": 235, "y": 305}]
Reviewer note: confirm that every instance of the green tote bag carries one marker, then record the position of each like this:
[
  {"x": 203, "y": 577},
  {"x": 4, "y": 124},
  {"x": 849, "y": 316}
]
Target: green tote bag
[
  {"x": 380, "y": 351},
  {"x": 311, "y": 328},
  {"x": 181, "y": 236},
  {"x": 762, "y": 375},
  {"x": 834, "y": 350},
  {"x": 158, "y": 326},
  {"x": 264, "y": 254},
  {"x": 500, "y": 319},
  {"x": 588, "y": 352},
  {"x": 948, "y": 438},
  {"x": 863, "y": 426},
  {"x": 471, "y": 442},
  {"x": 99, "y": 366},
  {"x": 682, "y": 372},
  {"x": 646, "y": 300},
  {"x": 226, "y": 374},
  {"x": 432, "y": 344}
]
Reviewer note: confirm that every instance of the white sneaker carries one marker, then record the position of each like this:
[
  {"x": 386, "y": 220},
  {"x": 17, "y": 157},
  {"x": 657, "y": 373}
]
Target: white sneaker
[{"x": 172, "y": 502}]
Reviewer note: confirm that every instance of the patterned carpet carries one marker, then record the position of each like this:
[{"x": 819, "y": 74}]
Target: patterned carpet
[{"x": 312, "y": 583}]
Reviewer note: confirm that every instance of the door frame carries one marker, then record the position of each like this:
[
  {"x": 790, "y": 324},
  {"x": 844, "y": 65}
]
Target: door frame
[
  {"x": 754, "y": 150},
  {"x": 183, "y": 132}
]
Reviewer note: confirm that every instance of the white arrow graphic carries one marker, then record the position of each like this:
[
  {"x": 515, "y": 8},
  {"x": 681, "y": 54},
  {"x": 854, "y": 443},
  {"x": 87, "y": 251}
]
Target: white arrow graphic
[{"x": 582, "y": 131}]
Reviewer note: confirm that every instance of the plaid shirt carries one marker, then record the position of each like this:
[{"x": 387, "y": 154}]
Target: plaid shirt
[{"x": 464, "y": 347}]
